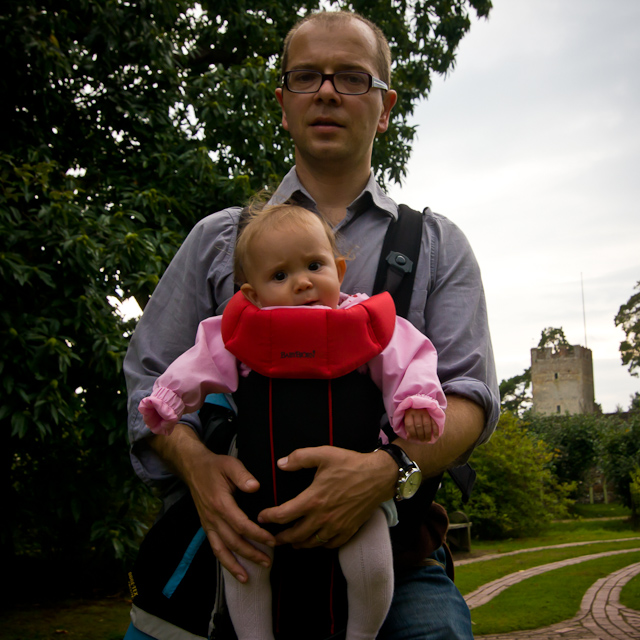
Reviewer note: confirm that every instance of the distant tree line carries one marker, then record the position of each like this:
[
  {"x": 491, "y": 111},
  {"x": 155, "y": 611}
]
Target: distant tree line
[{"x": 535, "y": 467}]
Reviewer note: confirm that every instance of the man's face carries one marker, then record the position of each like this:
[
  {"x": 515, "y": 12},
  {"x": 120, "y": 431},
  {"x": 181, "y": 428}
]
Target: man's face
[{"x": 328, "y": 126}]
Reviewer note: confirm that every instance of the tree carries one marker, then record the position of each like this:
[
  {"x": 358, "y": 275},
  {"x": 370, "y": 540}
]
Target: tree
[
  {"x": 123, "y": 124},
  {"x": 620, "y": 453},
  {"x": 575, "y": 441},
  {"x": 554, "y": 338},
  {"x": 515, "y": 393},
  {"x": 628, "y": 317},
  {"x": 516, "y": 492},
  {"x": 634, "y": 490}
]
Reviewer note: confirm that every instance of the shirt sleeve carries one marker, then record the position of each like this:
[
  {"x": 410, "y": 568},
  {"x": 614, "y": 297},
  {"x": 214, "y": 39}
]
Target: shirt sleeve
[
  {"x": 205, "y": 368},
  {"x": 405, "y": 372},
  {"x": 456, "y": 320},
  {"x": 195, "y": 286}
]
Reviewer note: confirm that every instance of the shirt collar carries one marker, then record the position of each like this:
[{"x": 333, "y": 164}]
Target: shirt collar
[{"x": 372, "y": 196}]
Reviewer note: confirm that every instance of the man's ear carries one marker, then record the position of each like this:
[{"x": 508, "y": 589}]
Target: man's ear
[
  {"x": 389, "y": 100},
  {"x": 280, "y": 99},
  {"x": 250, "y": 294},
  {"x": 341, "y": 266}
]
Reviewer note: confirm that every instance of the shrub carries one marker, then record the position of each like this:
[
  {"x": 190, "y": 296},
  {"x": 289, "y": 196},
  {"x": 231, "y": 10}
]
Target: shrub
[{"x": 516, "y": 491}]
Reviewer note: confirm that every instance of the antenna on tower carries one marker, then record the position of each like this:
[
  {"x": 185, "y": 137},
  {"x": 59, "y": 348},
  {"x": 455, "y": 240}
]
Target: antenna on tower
[{"x": 584, "y": 315}]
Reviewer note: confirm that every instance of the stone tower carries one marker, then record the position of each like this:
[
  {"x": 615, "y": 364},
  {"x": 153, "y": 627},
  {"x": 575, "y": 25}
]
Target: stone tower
[{"x": 562, "y": 381}]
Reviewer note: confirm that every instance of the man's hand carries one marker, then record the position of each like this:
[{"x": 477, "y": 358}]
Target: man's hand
[
  {"x": 212, "y": 480},
  {"x": 348, "y": 487},
  {"x": 346, "y": 490}
]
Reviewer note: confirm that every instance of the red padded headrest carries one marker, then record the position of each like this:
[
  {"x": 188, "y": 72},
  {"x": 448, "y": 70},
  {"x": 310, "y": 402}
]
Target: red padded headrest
[{"x": 301, "y": 342}]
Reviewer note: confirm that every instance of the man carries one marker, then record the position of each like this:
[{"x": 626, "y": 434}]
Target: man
[{"x": 333, "y": 128}]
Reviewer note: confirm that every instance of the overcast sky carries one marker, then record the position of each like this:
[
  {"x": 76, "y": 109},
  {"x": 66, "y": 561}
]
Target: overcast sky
[{"x": 532, "y": 146}]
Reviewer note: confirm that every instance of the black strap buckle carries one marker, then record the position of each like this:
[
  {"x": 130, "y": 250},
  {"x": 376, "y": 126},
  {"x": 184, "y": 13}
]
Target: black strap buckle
[{"x": 399, "y": 262}]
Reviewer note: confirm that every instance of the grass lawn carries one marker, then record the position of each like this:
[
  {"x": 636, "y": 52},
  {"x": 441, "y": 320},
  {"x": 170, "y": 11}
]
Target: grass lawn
[
  {"x": 105, "y": 619},
  {"x": 536, "y": 602},
  {"x": 562, "y": 533},
  {"x": 471, "y": 576},
  {"x": 545, "y": 599},
  {"x": 611, "y": 510},
  {"x": 630, "y": 594}
]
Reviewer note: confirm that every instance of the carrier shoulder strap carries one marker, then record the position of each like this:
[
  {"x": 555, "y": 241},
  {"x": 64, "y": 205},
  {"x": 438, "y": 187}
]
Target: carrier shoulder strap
[
  {"x": 399, "y": 258},
  {"x": 396, "y": 274}
]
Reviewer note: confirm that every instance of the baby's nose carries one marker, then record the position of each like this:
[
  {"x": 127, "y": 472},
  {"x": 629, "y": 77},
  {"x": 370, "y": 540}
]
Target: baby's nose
[{"x": 303, "y": 282}]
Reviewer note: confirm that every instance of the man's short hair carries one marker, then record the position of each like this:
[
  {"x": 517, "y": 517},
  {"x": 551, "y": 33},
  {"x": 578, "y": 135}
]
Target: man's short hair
[{"x": 330, "y": 19}]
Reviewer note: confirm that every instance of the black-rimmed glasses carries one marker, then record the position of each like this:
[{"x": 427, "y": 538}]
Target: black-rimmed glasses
[{"x": 351, "y": 83}]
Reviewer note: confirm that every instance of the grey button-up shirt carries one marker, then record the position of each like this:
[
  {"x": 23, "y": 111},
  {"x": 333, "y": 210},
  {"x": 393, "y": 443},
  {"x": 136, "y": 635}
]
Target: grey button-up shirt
[{"x": 448, "y": 303}]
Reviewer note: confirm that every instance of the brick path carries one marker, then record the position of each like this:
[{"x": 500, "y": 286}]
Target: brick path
[{"x": 601, "y": 616}]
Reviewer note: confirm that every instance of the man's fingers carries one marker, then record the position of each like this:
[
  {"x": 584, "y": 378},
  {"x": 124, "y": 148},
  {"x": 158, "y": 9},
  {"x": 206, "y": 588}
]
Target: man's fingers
[
  {"x": 230, "y": 539},
  {"x": 299, "y": 537},
  {"x": 238, "y": 476},
  {"x": 228, "y": 528},
  {"x": 225, "y": 557},
  {"x": 229, "y": 545},
  {"x": 289, "y": 511},
  {"x": 306, "y": 458},
  {"x": 237, "y": 525},
  {"x": 347, "y": 487}
]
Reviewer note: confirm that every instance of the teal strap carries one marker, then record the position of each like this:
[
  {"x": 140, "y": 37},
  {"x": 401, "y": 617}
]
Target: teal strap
[{"x": 185, "y": 563}]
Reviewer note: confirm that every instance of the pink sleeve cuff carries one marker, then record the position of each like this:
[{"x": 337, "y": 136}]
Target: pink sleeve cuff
[
  {"x": 420, "y": 401},
  {"x": 161, "y": 410}
]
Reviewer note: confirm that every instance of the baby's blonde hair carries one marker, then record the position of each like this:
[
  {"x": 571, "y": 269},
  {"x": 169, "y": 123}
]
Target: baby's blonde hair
[{"x": 258, "y": 219}]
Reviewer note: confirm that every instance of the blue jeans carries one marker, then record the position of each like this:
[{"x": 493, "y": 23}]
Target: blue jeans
[{"x": 427, "y": 606}]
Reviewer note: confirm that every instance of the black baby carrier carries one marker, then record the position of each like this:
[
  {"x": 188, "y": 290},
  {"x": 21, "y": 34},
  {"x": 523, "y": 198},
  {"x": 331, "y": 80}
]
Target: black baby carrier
[{"x": 176, "y": 584}]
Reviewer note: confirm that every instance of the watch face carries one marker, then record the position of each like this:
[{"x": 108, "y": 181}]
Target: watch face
[{"x": 411, "y": 484}]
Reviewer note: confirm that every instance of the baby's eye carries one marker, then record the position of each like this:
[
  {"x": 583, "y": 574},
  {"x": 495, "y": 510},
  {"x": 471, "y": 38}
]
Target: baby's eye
[
  {"x": 314, "y": 266},
  {"x": 279, "y": 276}
]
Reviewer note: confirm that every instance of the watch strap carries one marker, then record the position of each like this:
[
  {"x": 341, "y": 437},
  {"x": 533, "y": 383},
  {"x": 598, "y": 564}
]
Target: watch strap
[{"x": 398, "y": 454}]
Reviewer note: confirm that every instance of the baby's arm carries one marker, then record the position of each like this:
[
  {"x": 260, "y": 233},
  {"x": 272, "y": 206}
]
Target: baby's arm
[
  {"x": 406, "y": 372},
  {"x": 205, "y": 368},
  {"x": 419, "y": 425}
]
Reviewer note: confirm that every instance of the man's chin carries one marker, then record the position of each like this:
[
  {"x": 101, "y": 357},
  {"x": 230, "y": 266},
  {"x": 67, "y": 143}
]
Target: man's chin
[{"x": 327, "y": 151}]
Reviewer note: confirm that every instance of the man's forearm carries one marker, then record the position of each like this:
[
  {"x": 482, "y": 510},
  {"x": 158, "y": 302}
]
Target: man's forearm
[
  {"x": 463, "y": 427},
  {"x": 182, "y": 451}
]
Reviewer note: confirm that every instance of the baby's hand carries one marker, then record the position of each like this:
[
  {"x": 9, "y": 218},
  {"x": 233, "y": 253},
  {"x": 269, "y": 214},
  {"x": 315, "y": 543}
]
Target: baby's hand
[{"x": 418, "y": 425}]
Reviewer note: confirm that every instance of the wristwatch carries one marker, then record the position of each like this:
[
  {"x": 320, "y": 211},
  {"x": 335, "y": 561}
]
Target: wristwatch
[{"x": 409, "y": 474}]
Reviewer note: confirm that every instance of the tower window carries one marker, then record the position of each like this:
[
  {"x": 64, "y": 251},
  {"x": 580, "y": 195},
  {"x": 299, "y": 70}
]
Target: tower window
[
  {"x": 558, "y": 409},
  {"x": 555, "y": 375}
]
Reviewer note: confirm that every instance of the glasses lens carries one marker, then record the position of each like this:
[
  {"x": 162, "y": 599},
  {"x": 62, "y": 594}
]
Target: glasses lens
[
  {"x": 304, "y": 81},
  {"x": 352, "y": 82}
]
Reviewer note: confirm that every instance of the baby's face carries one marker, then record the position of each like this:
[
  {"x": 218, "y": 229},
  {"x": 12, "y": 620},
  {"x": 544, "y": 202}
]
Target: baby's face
[{"x": 292, "y": 267}]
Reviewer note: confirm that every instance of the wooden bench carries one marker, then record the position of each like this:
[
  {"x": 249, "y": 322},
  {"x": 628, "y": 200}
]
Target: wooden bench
[{"x": 459, "y": 532}]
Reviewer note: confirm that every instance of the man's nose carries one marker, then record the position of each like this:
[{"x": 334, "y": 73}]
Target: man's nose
[{"x": 327, "y": 91}]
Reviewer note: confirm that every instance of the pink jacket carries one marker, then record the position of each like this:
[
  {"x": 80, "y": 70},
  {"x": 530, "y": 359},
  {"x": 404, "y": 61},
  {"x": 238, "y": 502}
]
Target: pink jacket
[{"x": 405, "y": 372}]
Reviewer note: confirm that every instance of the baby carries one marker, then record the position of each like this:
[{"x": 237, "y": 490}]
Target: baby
[{"x": 290, "y": 271}]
